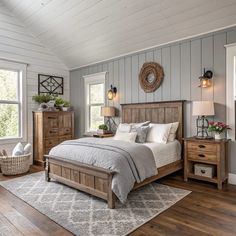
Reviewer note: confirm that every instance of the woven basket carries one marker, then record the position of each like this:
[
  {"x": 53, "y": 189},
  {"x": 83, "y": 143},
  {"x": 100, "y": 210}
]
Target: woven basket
[{"x": 15, "y": 165}]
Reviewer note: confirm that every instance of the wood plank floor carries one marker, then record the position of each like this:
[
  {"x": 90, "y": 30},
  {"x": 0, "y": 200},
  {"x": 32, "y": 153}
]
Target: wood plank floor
[{"x": 206, "y": 211}]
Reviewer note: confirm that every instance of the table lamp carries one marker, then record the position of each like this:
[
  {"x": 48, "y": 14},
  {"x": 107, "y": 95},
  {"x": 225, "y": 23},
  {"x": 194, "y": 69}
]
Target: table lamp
[{"x": 201, "y": 109}]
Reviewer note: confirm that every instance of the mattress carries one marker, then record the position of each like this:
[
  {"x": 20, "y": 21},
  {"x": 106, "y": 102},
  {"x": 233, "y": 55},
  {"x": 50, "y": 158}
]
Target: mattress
[{"x": 165, "y": 153}]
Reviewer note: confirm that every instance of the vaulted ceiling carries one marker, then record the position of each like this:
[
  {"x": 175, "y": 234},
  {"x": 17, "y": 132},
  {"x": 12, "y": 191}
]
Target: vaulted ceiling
[{"x": 82, "y": 32}]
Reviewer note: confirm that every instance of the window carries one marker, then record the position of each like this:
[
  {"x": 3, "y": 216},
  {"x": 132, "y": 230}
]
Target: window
[
  {"x": 12, "y": 100},
  {"x": 95, "y": 99}
]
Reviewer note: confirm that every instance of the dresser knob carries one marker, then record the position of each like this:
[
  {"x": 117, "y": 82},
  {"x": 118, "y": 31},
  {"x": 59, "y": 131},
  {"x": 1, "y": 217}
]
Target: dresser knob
[
  {"x": 51, "y": 118},
  {"x": 201, "y": 146},
  {"x": 201, "y": 155}
]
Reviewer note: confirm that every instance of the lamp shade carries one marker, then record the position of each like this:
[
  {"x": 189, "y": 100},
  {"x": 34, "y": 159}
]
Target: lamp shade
[
  {"x": 108, "y": 111},
  {"x": 203, "y": 108}
]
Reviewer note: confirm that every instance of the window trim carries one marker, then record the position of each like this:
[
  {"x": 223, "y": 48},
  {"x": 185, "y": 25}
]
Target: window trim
[
  {"x": 88, "y": 80},
  {"x": 21, "y": 68}
]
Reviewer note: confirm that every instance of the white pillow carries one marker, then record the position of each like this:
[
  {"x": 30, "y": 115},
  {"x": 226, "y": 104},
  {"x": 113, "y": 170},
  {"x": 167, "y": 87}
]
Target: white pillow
[
  {"x": 27, "y": 148},
  {"x": 128, "y": 137},
  {"x": 173, "y": 129},
  {"x": 124, "y": 128},
  {"x": 158, "y": 133},
  {"x": 18, "y": 150}
]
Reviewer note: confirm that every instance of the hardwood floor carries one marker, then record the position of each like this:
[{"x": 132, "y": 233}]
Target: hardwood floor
[{"x": 206, "y": 211}]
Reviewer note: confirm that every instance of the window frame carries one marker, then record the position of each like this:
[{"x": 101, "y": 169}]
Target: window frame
[
  {"x": 21, "y": 100},
  {"x": 92, "y": 79}
]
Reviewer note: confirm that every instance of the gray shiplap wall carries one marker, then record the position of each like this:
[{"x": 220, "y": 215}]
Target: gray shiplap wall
[{"x": 183, "y": 63}]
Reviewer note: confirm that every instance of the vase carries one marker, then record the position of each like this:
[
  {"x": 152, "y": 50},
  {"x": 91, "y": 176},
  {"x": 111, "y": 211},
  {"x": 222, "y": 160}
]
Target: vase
[
  {"x": 219, "y": 135},
  {"x": 51, "y": 103},
  {"x": 65, "y": 108}
]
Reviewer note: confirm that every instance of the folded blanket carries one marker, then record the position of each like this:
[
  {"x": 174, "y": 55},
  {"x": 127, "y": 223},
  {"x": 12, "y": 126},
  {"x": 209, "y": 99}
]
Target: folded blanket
[{"x": 131, "y": 162}]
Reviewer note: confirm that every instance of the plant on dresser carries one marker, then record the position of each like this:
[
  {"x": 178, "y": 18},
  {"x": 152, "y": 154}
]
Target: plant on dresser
[
  {"x": 50, "y": 129},
  {"x": 206, "y": 159}
]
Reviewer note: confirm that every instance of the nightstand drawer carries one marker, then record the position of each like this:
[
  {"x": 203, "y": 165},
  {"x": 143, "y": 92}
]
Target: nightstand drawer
[
  {"x": 199, "y": 147},
  {"x": 201, "y": 156}
]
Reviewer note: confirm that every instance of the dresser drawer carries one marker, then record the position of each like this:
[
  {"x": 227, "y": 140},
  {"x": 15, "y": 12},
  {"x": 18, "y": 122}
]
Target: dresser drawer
[
  {"x": 51, "y": 132},
  {"x": 198, "y": 147},
  {"x": 201, "y": 156},
  {"x": 65, "y": 131},
  {"x": 49, "y": 143},
  {"x": 64, "y": 138}
]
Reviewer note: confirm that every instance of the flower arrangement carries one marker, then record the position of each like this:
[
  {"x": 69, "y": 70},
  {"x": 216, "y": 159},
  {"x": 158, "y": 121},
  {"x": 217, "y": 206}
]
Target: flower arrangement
[{"x": 217, "y": 127}]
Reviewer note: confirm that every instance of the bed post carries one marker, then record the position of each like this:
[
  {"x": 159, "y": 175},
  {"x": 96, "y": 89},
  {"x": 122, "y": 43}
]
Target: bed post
[
  {"x": 47, "y": 169},
  {"x": 110, "y": 195}
]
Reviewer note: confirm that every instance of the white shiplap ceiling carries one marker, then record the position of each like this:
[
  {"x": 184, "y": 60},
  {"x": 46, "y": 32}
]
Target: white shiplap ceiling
[{"x": 82, "y": 32}]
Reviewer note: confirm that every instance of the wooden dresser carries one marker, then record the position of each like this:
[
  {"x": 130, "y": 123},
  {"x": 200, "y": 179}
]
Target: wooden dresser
[
  {"x": 50, "y": 129},
  {"x": 211, "y": 153}
]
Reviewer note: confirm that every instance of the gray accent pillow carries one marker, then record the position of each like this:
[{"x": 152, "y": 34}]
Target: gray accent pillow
[{"x": 141, "y": 134}]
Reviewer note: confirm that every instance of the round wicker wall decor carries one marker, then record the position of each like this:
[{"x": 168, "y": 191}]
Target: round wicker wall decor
[{"x": 151, "y": 76}]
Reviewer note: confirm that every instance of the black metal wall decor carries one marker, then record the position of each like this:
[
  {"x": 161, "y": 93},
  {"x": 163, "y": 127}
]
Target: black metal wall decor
[{"x": 50, "y": 84}]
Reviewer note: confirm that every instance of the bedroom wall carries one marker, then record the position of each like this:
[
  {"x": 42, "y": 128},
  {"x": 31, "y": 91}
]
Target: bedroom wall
[
  {"x": 183, "y": 63},
  {"x": 17, "y": 44}
]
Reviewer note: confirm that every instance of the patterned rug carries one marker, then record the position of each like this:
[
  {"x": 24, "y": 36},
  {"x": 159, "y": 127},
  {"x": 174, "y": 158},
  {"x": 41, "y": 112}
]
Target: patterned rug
[{"x": 83, "y": 214}]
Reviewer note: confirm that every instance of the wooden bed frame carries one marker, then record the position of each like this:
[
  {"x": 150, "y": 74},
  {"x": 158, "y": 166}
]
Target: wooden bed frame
[{"x": 97, "y": 181}]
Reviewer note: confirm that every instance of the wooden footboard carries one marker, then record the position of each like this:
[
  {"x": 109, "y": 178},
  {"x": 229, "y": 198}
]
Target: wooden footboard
[
  {"x": 95, "y": 180},
  {"x": 90, "y": 179}
]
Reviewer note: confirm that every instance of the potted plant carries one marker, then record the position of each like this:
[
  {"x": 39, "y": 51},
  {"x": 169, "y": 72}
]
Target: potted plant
[
  {"x": 42, "y": 98},
  {"x": 45, "y": 101},
  {"x": 66, "y": 106},
  {"x": 218, "y": 128},
  {"x": 102, "y": 129},
  {"x": 59, "y": 102}
]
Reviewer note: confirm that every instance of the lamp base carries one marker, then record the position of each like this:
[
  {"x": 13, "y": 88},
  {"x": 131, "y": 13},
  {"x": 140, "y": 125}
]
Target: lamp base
[
  {"x": 109, "y": 122},
  {"x": 202, "y": 127}
]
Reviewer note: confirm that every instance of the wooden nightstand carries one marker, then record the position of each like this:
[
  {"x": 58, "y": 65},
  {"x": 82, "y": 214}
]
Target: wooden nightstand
[
  {"x": 211, "y": 152},
  {"x": 103, "y": 135}
]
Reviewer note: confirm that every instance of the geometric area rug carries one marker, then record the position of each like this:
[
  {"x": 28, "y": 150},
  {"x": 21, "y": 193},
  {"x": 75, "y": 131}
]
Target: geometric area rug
[{"x": 83, "y": 214}]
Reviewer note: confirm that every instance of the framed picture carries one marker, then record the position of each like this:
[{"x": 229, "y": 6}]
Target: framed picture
[{"x": 50, "y": 84}]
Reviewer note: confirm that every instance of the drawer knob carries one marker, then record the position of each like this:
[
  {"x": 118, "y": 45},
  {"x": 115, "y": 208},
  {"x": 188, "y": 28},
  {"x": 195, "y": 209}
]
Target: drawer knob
[
  {"x": 201, "y": 155},
  {"x": 203, "y": 171},
  {"x": 51, "y": 118},
  {"x": 201, "y": 146}
]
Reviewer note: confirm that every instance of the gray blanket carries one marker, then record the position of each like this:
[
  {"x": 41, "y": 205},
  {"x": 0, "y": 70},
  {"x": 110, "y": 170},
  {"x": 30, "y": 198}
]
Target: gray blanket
[{"x": 130, "y": 161}]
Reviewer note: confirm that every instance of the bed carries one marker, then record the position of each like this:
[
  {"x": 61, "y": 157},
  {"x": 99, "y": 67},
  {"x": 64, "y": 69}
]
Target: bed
[{"x": 97, "y": 181}]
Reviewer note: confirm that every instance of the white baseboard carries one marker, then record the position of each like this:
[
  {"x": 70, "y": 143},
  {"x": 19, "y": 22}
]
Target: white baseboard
[{"x": 232, "y": 179}]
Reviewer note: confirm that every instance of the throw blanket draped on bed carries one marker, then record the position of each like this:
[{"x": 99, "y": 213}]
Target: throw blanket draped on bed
[{"x": 131, "y": 161}]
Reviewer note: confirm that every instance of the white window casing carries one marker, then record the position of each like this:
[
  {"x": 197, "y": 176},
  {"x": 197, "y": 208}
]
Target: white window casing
[
  {"x": 21, "y": 100},
  {"x": 92, "y": 79}
]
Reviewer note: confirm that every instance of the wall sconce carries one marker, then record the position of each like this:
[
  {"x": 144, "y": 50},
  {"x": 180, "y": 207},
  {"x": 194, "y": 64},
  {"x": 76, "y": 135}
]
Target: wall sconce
[
  {"x": 111, "y": 93},
  {"x": 205, "y": 79}
]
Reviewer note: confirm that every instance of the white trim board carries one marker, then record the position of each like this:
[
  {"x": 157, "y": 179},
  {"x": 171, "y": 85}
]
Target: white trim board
[
  {"x": 230, "y": 89},
  {"x": 232, "y": 178}
]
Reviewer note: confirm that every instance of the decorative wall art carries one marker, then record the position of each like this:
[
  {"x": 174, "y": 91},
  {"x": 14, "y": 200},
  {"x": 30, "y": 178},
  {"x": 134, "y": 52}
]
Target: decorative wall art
[
  {"x": 50, "y": 84},
  {"x": 151, "y": 76}
]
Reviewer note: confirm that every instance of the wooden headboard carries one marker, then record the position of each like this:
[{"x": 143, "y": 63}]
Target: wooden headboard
[{"x": 156, "y": 112}]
